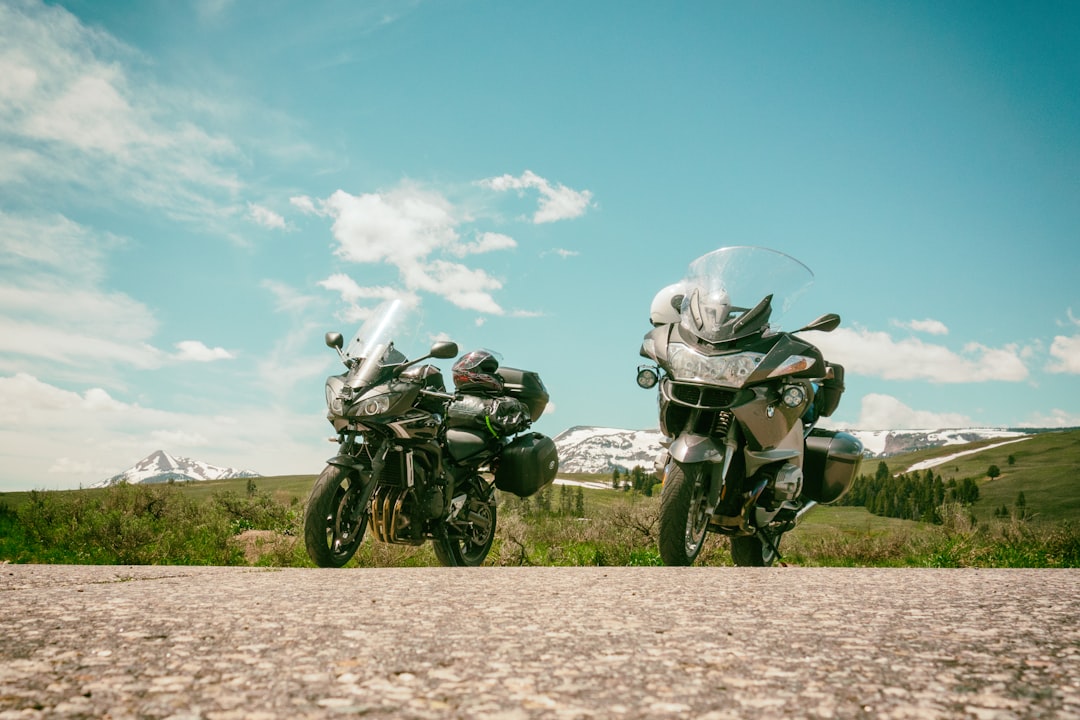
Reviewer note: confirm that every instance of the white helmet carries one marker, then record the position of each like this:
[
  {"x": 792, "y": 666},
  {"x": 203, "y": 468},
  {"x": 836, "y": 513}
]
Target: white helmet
[{"x": 662, "y": 311}]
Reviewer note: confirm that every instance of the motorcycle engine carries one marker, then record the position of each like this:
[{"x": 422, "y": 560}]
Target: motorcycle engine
[
  {"x": 786, "y": 484},
  {"x": 399, "y": 513}
]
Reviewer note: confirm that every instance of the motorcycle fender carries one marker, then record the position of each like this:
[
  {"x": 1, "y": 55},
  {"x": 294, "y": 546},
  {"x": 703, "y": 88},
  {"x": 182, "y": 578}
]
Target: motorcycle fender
[
  {"x": 344, "y": 461},
  {"x": 696, "y": 448}
]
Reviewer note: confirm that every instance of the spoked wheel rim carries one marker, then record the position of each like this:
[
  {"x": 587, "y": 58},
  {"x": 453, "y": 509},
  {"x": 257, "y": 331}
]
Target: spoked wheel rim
[
  {"x": 336, "y": 516},
  {"x": 469, "y": 545},
  {"x": 477, "y": 541},
  {"x": 768, "y": 548},
  {"x": 684, "y": 515},
  {"x": 697, "y": 519},
  {"x": 346, "y": 524},
  {"x": 755, "y": 550}
]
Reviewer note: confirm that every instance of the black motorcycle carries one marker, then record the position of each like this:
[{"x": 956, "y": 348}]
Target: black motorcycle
[
  {"x": 738, "y": 403},
  {"x": 417, "y": 462}
]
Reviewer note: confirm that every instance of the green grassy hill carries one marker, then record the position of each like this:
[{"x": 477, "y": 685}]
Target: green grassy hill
[
  {"x": 222, "y": 522},
  {"x": 1045, "y": 467}
]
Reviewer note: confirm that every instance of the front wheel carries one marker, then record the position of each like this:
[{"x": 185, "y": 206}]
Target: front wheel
[
  {"x": 757, "y": 550},
  {"x": 336, "y": 517},
  {"x": 467, "y": 543},
  {"x": 683, "y": 515}
]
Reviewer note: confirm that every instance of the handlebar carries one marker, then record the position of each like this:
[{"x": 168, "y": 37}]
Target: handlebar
[{"x": 436, "y": 394}]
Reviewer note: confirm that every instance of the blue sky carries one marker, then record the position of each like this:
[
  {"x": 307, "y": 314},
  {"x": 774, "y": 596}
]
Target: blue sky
[{"x": 192, "y": 193}]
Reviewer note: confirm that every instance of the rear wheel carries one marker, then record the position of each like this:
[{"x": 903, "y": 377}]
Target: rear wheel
[
  {"x": 683, "y": 515},
  {"x": 336, "y": 517},
  {"x": 757, "y": 550},
  {"x": 468, "y": 540}
]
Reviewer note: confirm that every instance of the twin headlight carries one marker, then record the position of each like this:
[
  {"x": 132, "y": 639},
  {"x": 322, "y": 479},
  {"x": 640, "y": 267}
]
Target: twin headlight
[
  {"x": 731, "y": 371},
  {"x": 336, "y": 403},
  {"x": 725, "y": 370}
]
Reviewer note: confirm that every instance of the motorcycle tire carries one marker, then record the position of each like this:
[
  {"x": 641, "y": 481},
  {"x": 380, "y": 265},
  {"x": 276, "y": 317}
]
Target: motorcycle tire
[
  {"x": 753, "y": 551},
  {"x": 683, "y": 519},
  {"x": 336, "y": 517},
  {"x": 472, "y": 549}
]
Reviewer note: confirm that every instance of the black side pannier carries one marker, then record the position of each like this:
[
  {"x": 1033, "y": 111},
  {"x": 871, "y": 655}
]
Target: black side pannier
[
  {"x": 830, "y": 465},
  {"x": 527, "y": 465},
  {"x": 501, "y": 415}
]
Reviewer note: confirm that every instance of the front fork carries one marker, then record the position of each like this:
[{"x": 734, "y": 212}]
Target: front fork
[
  {"x": 729, "y": 510},
  {"x": 731, "y": 503}
]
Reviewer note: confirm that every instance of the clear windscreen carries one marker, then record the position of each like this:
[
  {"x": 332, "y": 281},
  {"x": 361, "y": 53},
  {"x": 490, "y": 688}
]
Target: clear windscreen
[{"x": 744, "y": 275}]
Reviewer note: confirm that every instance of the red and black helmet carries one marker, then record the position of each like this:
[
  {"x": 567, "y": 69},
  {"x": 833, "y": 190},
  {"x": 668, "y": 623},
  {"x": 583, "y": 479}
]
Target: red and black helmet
[{"x": 477, "y": 371}]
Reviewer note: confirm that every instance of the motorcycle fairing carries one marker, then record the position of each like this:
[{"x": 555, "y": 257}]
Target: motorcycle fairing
[
  {"x": 789, "y": 449},
  {"x": 688, "y": 448}
]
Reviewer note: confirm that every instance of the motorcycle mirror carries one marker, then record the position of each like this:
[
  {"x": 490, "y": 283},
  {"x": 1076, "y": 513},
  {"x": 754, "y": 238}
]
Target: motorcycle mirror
[
  {"x": 334, "y": 340},
  {"x": 443, "y": 350},
  {"x": 646, "y": 377},
  {"x": 826, "y": 323}
]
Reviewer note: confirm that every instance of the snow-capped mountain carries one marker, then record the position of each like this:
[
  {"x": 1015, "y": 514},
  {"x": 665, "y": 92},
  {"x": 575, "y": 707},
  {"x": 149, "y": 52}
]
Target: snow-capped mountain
[
  {"x": 160, "y": 466},
  {"x": 883, "y": 443},
  {"x": 601, "y": 450}
]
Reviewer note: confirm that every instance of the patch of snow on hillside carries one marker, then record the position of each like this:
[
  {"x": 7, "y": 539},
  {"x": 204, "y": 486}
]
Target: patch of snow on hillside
[{"x": 942, "y": 460}]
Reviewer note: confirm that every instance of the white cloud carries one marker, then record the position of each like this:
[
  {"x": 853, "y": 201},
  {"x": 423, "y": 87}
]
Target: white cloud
[
  {"x": 485, "y": 242},
  {"x": 305, "y": 205},
  {"x": 265, "y": 217},
  {"x": 557, "y": 202},
  {"x": 408, "y": 228},
  {"x": 1056, "y": 418},
  {"x": 195, "y": 351},
  {"x": 350, "y": 291},
  {"x": 402, "y": 226},
  {"x": 416, "y": 230},
  {"x": 55, "y": 244},
  {"x": 52, "y": 307},
  {"x": 103, "y": 435},
  {"x": 1065, "y": 349},
  {"x": 77, "y": 114},
  {"x": 877, "y": 354},
  {"x": 178, "y": 438},
  {"x": 462, "y": 286},
  {"x": 68, "y": 344},
  {"x": 1065, "y": 354},
  {"x": 287, "y": 298},
  {"x": 883, "y": 412},
  {"x": 928, "y": 326}
]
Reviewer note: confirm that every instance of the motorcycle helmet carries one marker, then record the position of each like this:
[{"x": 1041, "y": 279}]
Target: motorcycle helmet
[
  {"x": 665, "y": 305},
  {"x": 476, "y": 371}
]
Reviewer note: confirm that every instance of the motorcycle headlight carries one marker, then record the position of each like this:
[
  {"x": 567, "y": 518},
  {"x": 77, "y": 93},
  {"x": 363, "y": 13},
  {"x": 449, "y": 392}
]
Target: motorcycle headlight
[
  {"x": 333, "y": 395},
  {"x": 723, "y": 370},
  {"x": 373, "y": 406},
  {"x": 793, "y": 364}
]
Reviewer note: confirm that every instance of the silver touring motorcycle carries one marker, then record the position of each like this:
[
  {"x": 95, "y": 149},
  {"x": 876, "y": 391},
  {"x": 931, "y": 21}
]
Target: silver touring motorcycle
[
  {"x": 739, "y": 400},
  {"x": 418, "y": 462}
]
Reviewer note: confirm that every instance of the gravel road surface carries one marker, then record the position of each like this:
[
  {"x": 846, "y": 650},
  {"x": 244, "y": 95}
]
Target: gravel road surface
[{"x": 508, "y": 643}]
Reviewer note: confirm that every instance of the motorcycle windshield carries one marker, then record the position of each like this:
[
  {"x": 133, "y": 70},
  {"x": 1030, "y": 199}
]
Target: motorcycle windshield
[
  {"x": 374, "y": 340},
  {"x": 725, "y": 290}
]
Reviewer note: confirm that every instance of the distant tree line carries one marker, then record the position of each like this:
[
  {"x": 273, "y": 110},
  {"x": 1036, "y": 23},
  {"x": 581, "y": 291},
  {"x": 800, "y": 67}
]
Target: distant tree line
[
  {"x": 566, "y": 501},
  {"x": 909, "y": 496},
  {"x": 636, "y": 480}
]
